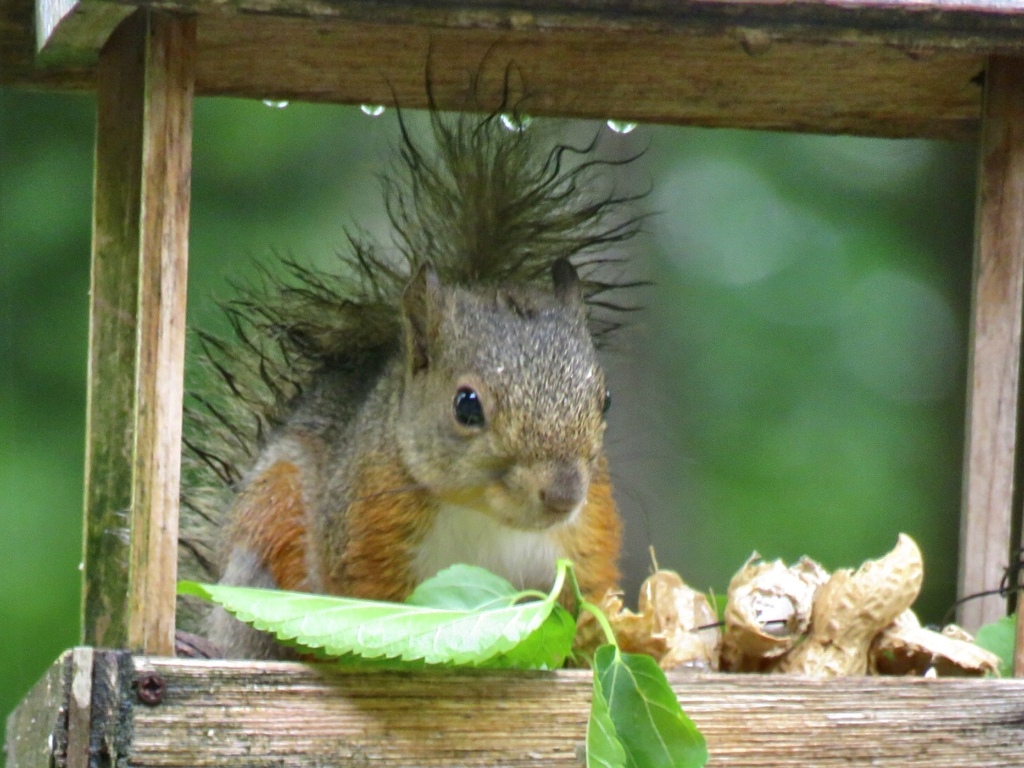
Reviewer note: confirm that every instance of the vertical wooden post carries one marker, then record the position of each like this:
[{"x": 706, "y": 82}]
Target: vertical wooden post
[
  {"x": 137, "y": 332},
  {"x": 110, "y": 398},
  {"x": 994, "y": 367}
]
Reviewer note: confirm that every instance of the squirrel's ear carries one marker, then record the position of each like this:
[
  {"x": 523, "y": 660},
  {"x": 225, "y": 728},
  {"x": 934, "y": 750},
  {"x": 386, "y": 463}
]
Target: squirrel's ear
[
  {"x": 566, "y": 281},
  {"x": 421, "y": 310}
]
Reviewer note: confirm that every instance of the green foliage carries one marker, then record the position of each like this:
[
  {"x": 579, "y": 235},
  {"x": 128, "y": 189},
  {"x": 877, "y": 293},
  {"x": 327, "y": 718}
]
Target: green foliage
[
  {"x": 449, "y": 621},
  {"x": 604, "y": 748},
  {"x": 465, "y": 588},
  {"x": 999, "y": 637},
  {"x": 650, "y": 728},
  {"x": 467, "y": 616}
]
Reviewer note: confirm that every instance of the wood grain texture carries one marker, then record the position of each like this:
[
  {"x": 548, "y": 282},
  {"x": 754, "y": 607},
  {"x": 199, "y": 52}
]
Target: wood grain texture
[
  {"x": 988, "y": 25},
  {"x": 18, "y": 64},
  {"x": 672, "y": 77},
  {"x": 255, "y": 714},
  {"x": 994, "y": 367},
  {"x": 615, "y": 63},
  {"x": 79, "y": 707},
  {"x": 35, "y": 728},
  {"x": 137, "y": 327},
  {"x": 263, "y": 714},
  {"x": 163, "y": 267},
  {"x": 113, "y": 321},
  {"x": 71, "y": 31}
]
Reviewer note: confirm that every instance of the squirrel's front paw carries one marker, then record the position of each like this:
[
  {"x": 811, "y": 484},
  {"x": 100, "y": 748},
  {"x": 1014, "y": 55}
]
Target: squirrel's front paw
[{"x": 191, "y": 646}]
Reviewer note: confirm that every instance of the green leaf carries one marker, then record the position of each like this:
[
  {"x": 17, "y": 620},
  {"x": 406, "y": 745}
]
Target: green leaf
[
  {"x": 604, "y": 750},
  {"x": 466, "y": 587},
  {"x": 444, "y": 633},
  {"x": 546, "y": 648},
  {"x": 649, "y": 723},
  {"x": 998, "y": 637}
]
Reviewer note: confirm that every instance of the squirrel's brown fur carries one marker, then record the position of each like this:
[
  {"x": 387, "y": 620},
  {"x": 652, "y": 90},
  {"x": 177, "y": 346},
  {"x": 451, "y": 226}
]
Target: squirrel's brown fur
[{"x": 334, "y": 461}]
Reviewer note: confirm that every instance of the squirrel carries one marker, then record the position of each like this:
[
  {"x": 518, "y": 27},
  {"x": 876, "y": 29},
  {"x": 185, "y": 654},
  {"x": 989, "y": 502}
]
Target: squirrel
[{"x": 433, "y": 403}]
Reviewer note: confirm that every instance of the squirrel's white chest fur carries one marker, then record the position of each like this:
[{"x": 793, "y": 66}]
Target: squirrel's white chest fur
[{"x": 460, "y": 535}]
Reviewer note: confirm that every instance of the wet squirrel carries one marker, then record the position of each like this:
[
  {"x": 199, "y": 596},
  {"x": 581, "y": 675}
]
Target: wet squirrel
[{"x": 442, "y": 403}]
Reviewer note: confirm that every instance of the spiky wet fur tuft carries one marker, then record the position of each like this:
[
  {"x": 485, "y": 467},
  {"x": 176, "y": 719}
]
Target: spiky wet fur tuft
[{"x": 483, "y": 206}]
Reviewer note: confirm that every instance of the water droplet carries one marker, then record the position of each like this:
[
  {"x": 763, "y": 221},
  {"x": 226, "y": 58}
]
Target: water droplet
[
  {"x": 274, "y": 104},
  {"x": 516, "y": 123},
  {"x": 373, "y": 110},
  {"x": 621, "y": 126}
]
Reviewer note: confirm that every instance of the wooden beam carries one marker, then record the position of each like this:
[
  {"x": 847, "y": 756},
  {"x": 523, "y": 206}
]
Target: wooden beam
[
  {"x": 994, "y": 367},
  {"x": 137, "y": 330},
  {"x": 993, "y": 25},
  {"x": 673, "y": 77},
  {"x": 113, "y": 330},
  {"x": 70, "y": 32},
  {"x": 224, "y": 713},
  {"x": 163, "y": 280},
  {"x": 627, "y": 64},
  {"x": 79, "y": 708}
]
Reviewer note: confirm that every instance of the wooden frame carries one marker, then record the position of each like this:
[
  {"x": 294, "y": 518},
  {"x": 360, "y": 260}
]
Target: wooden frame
[
  {"x": 873, "y": 67},
  {"x": 994, "y": 367},
  {"x": 243, "y": 714},
  {"x": 137, "y": 332},
  {"x": 878, "y": 68}
]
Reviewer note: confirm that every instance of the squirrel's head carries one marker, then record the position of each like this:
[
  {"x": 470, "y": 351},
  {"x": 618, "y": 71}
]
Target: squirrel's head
[{"x": 503, "y": 401}]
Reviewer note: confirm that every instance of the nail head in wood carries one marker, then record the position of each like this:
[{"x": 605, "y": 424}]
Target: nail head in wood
[{"x": 150, "y": 687}]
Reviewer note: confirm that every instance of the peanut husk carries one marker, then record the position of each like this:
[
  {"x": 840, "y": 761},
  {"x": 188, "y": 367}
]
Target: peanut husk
[
  {"x": 907, "y": 648},
  {"x": 852, "y": 608},
  {"x": 768, "y": 611},
  {"x": 674, "y": 623}
]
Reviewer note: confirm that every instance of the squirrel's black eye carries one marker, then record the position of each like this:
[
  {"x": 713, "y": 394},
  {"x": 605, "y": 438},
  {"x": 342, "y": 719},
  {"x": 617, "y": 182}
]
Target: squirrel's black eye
[
  {"x": 469, "y": 412},
  {"x": 607, "y": 401}
]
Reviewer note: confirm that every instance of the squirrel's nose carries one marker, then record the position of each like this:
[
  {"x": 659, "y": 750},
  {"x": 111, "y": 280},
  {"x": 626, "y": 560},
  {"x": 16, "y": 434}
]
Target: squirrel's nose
[{"x": 565, "y": 491}]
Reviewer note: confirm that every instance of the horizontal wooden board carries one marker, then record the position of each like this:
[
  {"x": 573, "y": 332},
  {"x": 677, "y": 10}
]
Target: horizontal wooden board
[
  {"x": 988, "y": 24},
  {"x": 738, "y": 77},
  {"x": 262, "y": 714},
  {"x": 253, "y": 714}
]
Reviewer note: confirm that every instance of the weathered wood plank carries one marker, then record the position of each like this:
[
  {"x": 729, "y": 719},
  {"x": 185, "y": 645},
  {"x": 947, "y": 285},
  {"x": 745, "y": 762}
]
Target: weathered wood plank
[
  {"x": 37, "y": 728},
  {"x": 633, "y": 67},
  {"x": 113, "y": 321},
  {"x": 70, "y": 31},
  {"x": 163, "y": 269},
  {"x": 994, "y": 367},
  {"x": 262, "y": 714},
  {"x": 989, "y": 26},
  {"x": 79, "y": 708},
  {"x": 140, "y": 233},
  {"x": 178, "y": 712},
  {"x": 675, "y": 78}
]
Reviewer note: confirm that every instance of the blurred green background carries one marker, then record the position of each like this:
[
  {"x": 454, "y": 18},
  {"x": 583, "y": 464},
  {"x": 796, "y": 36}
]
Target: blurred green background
[{"x": 794, "y": 385}]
